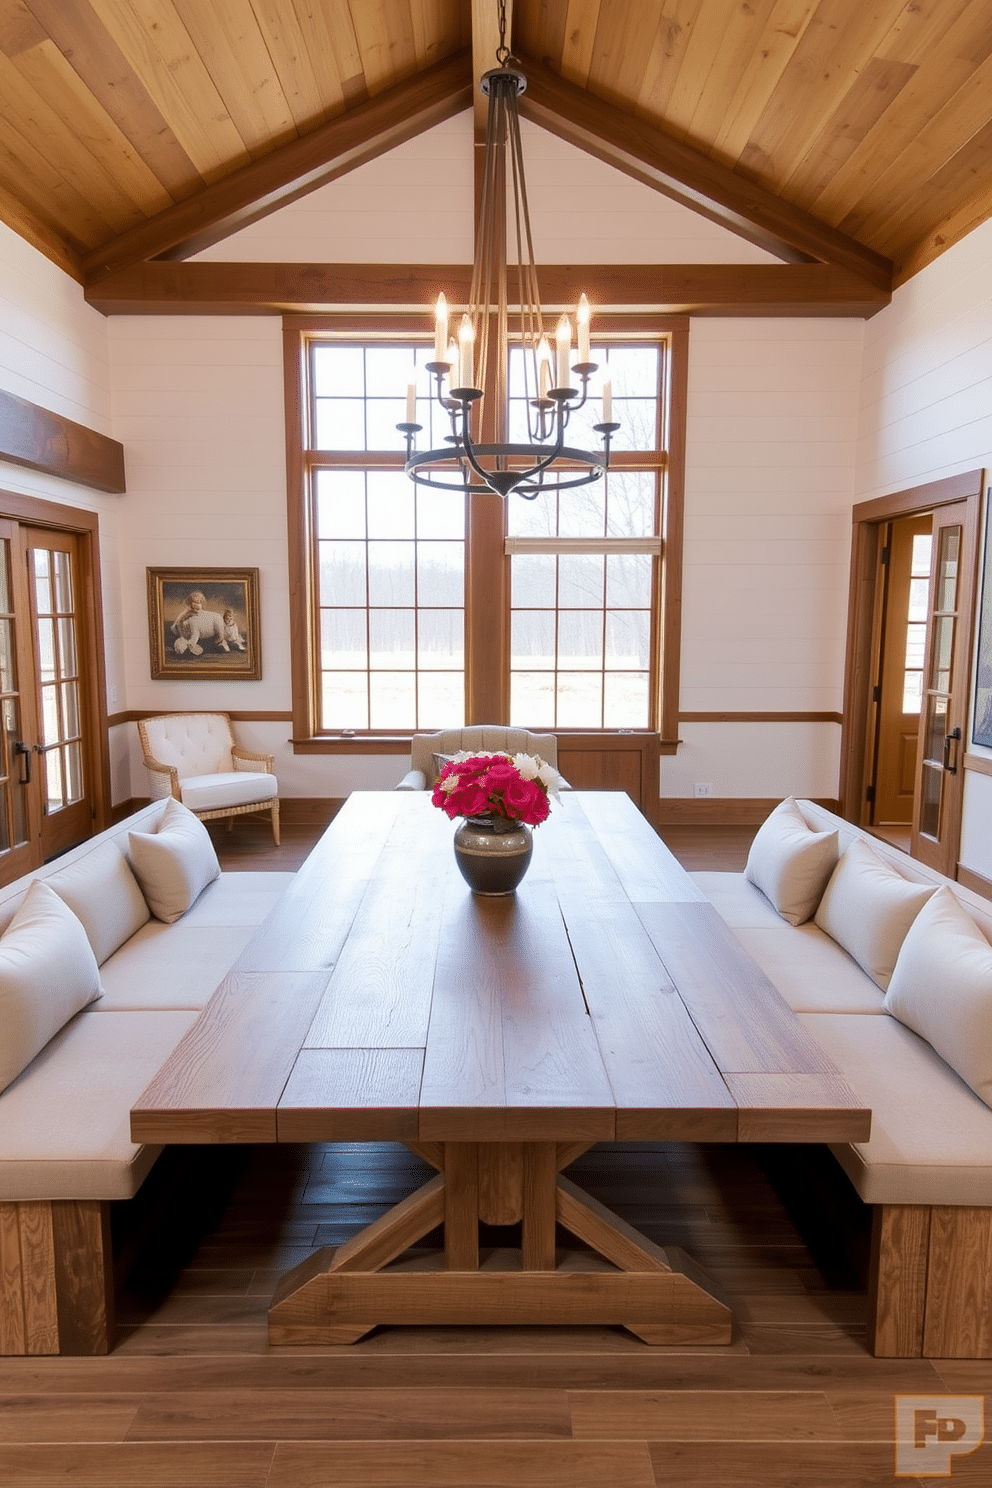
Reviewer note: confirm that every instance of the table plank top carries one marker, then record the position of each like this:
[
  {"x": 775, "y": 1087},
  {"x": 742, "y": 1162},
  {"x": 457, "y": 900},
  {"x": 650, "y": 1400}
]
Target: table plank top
[{"x": 605, "y": 1000}]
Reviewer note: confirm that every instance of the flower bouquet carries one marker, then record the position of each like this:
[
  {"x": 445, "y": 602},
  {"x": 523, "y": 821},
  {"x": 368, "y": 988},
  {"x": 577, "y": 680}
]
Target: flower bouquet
[
  {"x": 501, "y": 797},
  {"x": 513, "y": 788}
]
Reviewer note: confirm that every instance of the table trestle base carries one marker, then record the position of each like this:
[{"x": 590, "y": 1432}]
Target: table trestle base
[{"x": 337, "y": 1295}]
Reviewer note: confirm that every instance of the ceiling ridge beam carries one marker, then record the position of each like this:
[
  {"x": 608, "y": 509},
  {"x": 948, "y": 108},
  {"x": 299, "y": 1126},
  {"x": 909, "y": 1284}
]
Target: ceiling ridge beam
[
  {"x": 646, "y": 153},
  {"x": 351, "y": 139},
  {"x": 159, "y": 288}
]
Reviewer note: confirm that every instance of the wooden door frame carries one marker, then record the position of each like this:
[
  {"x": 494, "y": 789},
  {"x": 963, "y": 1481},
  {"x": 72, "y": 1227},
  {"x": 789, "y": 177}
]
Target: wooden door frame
[
  {"x": 862, "y": 625},
  {"x": 85, "y": 525}
]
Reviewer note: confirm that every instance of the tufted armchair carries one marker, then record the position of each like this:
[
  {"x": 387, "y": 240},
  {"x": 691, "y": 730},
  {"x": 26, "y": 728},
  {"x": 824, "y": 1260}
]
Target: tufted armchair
[
  {"x": 489, "y": 736},
  {"x": 193, "y": 757}
]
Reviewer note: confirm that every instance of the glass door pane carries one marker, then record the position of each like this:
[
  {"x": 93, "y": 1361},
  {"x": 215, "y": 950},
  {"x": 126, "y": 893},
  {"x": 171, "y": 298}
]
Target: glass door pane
[{"x": 58, "y": 676}]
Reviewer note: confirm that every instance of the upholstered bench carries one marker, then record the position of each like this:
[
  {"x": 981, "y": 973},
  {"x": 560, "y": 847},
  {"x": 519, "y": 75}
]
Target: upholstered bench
[
  {"x": 107, "y": 956},
  {"x": 889, "y": 966}
]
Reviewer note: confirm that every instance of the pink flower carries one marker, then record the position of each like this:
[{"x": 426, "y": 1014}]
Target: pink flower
[{"x": 478, "y": 784}]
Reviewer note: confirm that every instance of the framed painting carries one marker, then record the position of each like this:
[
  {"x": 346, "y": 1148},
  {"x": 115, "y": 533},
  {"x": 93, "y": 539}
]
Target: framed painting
[
  {"x": 203, "y": 624},
  {"x": 981, "y": 728}
]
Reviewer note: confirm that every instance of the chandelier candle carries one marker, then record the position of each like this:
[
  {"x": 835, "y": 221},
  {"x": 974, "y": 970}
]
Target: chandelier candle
[{"x": 546, "y": 393}]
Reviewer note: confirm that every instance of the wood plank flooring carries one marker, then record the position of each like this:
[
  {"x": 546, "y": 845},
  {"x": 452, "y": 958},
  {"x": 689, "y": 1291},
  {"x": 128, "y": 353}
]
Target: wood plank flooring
[{"x": 194, "y": 1397}]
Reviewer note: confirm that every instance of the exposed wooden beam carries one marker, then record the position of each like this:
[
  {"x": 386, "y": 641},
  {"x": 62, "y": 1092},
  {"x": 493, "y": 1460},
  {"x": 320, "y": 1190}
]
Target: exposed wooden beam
[
  {"x": 272, "y": 289},
  {"x": 485, "y": 41},
  {"x": 34, "y": 231},
  {"x": 623, "y": 140},
  {"x": 352, "y": 139},
  {"x": 41, "y": 440}
]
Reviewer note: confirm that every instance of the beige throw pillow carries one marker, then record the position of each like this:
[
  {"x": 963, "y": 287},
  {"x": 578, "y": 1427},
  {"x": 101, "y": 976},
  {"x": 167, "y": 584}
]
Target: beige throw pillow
[
  {"x": 868, "y": 908},
  {"x": 791, "y": 864},
  {"x": 941, "y": 988},
  {"x": 174, "y": 864},
  {"x": 47, "y": 973},
  {"x": 105, "y": 897}
]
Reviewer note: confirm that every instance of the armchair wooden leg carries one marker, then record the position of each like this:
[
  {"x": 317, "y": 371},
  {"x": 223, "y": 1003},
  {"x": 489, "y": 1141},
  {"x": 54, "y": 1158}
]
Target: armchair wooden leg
[{"x": 275, "y": 820}]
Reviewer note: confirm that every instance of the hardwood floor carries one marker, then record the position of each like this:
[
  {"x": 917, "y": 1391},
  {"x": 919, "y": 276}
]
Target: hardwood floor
[{"x": 193, "y": 1396}]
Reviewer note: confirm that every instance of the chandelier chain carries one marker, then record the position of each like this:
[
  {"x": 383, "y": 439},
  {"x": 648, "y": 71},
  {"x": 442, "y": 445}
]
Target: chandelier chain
[{"x": 502, "y": 51}]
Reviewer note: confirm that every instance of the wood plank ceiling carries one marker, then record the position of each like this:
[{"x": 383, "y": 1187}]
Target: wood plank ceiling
[{"x": 838, "y": 133}]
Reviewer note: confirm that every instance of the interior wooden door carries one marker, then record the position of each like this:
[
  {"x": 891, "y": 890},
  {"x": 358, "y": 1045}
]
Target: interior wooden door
[
  {"x": 19, "y": 800},
  {"x": 46, "y": 794},
  {"x": 901, "y": 672},
  {"x": 939, "y": 779}
]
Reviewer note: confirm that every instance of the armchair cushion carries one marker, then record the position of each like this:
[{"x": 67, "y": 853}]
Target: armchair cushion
[
  {"x": 174, "y": 864},
  {"x": 230, "y": 788},
  {"x": 47, "y": 974},
  {"x": 192, "y": 743}
]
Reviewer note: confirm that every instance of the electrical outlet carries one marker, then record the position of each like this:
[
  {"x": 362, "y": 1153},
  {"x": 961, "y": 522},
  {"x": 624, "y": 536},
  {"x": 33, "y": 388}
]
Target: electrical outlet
[{"x": 702, "y": 788}]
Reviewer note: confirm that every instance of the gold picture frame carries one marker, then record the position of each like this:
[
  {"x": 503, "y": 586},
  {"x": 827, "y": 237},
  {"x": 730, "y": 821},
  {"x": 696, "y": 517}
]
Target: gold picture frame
[{"x": 203, "y": 624}]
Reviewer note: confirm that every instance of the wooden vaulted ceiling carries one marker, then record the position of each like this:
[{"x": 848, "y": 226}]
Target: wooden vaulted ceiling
[{"x": 851, "y": 139}]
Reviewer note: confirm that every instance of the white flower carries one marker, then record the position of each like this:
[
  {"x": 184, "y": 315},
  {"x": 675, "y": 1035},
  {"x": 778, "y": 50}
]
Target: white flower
[
  {"x": 532, "y": 767},
  {"x": 528, "y": 765}
]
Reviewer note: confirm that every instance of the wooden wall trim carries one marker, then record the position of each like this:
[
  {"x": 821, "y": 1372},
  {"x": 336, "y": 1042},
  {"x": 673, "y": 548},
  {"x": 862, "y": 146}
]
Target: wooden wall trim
[
  {"x": 976, "y": 882},
  {"x": 797, "y": 716},
  {"x": 725, "y": 811},
  {"x": 132, "y": 715},
  {"x": 673, "y": 531},
  {"x": 980, "y": 763},
  {"x": 159, "y": 288},
  {"x": 294, "y": 811},
  {"x": 39, "y": 439},
  {"x": 919, "y": 498}
]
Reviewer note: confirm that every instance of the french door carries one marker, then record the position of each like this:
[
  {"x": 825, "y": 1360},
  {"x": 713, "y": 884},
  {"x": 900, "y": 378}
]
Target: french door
[
  {"x": 946, "y": 669},
  {"x": 46, "y": 794}
]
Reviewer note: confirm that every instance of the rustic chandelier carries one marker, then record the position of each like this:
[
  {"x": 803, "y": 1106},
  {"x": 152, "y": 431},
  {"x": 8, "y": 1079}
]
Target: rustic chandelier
[{"x": 461, "y": 369}]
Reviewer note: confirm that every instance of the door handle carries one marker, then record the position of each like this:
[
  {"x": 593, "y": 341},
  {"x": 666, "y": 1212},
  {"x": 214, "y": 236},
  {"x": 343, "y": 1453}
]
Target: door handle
[
  {"x": 949, "y": 739},
  {"x": 24, "y": 750}
]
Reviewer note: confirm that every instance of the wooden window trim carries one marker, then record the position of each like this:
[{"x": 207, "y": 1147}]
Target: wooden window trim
[{"x": 487, "y": 675}]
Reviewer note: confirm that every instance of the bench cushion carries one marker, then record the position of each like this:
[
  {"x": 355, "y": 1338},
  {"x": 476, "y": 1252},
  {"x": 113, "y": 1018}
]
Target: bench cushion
[
  {"x": 65, "y": 1123},
  {"x": 170, "y": 966},
  {"x": 47, "y": 973},
  {"x": 811, "y": 972},
  {"x": 931, "y": 1137}
]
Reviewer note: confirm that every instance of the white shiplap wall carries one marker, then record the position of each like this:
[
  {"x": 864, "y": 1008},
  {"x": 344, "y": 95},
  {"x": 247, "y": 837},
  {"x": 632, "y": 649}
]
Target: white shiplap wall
[
  {"x": 926, "y": 413},
  {"x": 54, "y": 352},
  {"x": 769, "y": 476},
  {"x": 413, "y": 205}
]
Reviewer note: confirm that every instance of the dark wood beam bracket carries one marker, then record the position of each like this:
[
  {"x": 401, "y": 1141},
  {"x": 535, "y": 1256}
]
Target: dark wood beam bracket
[
  {"x": 41, "y": 440},
  {"x": 640, "y": 150},
  {"x": 300, "y": 289}
]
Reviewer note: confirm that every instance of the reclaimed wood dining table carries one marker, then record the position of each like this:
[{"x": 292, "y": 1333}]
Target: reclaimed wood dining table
[{"x": 498, "y": 1038}]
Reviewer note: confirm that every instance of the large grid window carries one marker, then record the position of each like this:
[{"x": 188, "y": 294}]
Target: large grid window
[
  {"x": 584, "y": 567},
  {"x": 390, "y": 562},
  {"x": 424, "y": 609}
]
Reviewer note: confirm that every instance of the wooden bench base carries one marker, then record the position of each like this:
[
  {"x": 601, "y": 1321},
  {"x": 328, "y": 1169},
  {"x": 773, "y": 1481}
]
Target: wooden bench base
[
  {"x": 56, "y": 1266},
  {"x": 929, "y": 1291}
]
